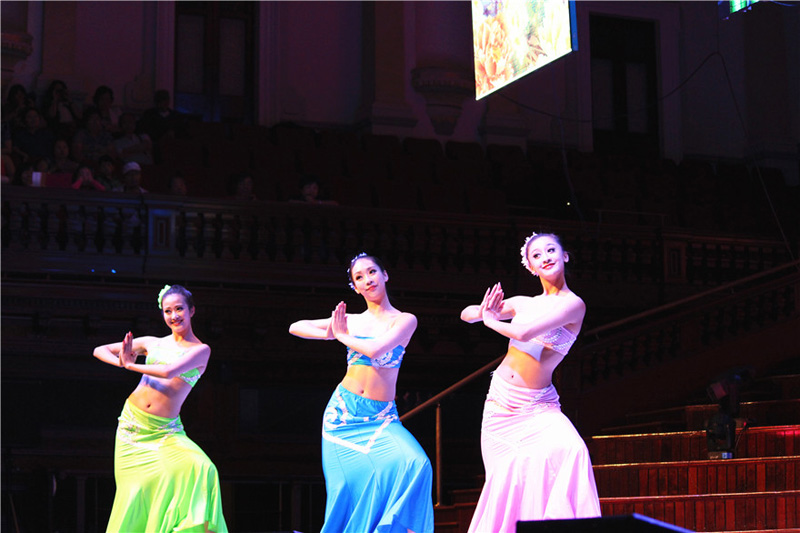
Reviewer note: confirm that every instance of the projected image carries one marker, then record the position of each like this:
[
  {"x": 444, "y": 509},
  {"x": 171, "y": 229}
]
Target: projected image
[
  {"x": 728, "y": 7},
  {"x": 512, "y": 38}
]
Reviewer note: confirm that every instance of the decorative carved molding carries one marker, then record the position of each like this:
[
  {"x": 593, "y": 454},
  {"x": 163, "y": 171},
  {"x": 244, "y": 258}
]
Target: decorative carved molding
[
  {"x": 17, "y": 44},
  {"x": 444, "y": 90},
  {"x": 16, "y": 47}
]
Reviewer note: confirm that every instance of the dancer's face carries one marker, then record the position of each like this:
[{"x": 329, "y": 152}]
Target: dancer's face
[
  {"x": 546, "y": 256},
  {"x": 368, "y": 278},
  {"x": 177, "y": 314}
]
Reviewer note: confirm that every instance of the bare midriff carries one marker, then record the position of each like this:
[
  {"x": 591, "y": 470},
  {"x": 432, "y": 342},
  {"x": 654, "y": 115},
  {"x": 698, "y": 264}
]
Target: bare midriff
[
  {"x": 160, "y": 396},
  {"x": 523, "y": 370},
  {"x": 370, "y": 382}
]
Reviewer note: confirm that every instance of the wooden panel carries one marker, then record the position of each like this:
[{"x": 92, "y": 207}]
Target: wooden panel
[
  {"x": 698, "y": 477},
  {"x": 732, "y": 512},
  {"x": 769, "y": 441}
]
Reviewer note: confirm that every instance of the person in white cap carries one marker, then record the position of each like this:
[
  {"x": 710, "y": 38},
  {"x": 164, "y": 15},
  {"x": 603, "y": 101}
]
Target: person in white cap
[{"x": 132, "y": 177}]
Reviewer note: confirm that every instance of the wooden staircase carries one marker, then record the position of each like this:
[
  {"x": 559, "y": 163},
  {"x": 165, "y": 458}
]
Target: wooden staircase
[{"x": 666, "y": 474}]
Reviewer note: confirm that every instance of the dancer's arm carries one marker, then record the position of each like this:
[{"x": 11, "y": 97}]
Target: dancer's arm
[
  {"x": 110, "y": 353},
  {"x": 493, "y": 296},
  {"x": 562, "y": 312},
  {"x": 399, "y": 333},
  {"x": 312, "y": 329},
  {"x": 124, "y": 354},
  {"x": 195, "y": 357}
]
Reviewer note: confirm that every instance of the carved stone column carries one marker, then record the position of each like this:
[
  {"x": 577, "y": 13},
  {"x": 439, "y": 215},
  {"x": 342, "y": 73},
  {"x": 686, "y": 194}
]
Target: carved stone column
[
  {"x": 444, "y": 90},
  {"x": 443, "y": 75},
  {"x": 17, "y": 43},
  {"x": 384, "y": 108}
]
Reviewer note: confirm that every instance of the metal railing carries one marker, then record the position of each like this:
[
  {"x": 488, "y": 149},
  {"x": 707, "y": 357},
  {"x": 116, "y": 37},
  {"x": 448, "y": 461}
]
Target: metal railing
[{"x": 793, "y": 279}]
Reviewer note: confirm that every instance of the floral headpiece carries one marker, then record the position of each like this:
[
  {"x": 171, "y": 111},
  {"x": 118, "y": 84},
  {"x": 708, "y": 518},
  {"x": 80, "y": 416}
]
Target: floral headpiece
[
  {"x": 352, "y": 262},
  {"x": 162, "y": 293},
  {"x": 524, "y": 252}
]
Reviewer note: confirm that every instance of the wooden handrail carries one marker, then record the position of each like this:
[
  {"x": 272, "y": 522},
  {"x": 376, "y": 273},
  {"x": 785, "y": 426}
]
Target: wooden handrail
[
  {"x": 596, "y": 331},
  {"x": 436, "y": 399},
  {"x": 683, "y": 301}
]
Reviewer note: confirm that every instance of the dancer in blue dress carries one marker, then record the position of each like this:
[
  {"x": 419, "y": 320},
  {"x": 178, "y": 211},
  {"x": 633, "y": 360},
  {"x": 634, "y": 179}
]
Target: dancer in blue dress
[{"x": 377, "y": 476}]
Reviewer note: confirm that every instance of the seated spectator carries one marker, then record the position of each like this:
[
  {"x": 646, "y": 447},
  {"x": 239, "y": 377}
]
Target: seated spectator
[
  {"x": 161, "y": 122},
  {"x": 17, "y": 101},
  {"x": 9, "y": 166},
  {"x": 24, "y": 177},
  {"x": 7, "y": 169},
  {"x": 103, "y": 101},
  {"x": 132, "y": 146},
  {"x": 106, "y": 173},
  {"x": 132, "y": 178},
  {"x": 59, "y": 111},
  {"x": 41, "y": 165},
  {"x": 83, "y": 179},
  {"x": 33, "y": 141},
  {"x": 177, "y": 186},
  {"x": 61, "y": 160},
  {"x": 311, "y": 192},
  {"x": 240, "y": 187},
  {"x": 91, "y": 142}
]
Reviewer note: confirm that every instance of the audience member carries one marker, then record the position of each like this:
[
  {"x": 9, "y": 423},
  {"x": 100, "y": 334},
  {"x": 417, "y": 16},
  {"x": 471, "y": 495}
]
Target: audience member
[
  {"x": 61, "y": 160},
  {"x": 132, "y": 178},
  {"x": 59, "y": 111},
  {"x": 91, "y": 142},
  {"x": 106, "y": 173},
  {"x": 33, "y": 141},
  {"x": 132, "y": 146},
  {"x": 83, "y": 179},
  {"x": 9, "y": 167},
  {"x": 103, "y": 101},
  {"x": 177, "y": 186},
  {"x": 6, "y": 170},
  {"x": 240, "y": 187},
  {"x": 310, "y": 192},
  {"x": 41, "y": 165},
  {"x": 161, "y": 122},
  {"x": 17, "y": 101},
  {"x": 25, "y": 176}
]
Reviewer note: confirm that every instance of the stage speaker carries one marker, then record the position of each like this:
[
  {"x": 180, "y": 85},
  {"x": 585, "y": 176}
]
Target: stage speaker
[{"x": 632, "y": 523}]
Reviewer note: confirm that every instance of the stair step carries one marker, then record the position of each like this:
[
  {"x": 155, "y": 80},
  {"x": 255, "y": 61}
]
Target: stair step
[
  {"x": 458, "y": 514},
  {"x": 715, "y": 512},
  {"x": 770, "y": 441},
  {"x": 782, "y": 530},
  {"x": 466, "y": 495},
  {"x": 765, "y": 412},
  {"x": 699, "y": 477}
]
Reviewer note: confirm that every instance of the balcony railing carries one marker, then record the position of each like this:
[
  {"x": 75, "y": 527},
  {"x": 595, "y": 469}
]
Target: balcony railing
[{"x": 76, "y": 232}]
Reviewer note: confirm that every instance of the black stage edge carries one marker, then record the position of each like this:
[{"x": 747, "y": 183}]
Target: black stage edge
[{"x": 632, "y": 523}]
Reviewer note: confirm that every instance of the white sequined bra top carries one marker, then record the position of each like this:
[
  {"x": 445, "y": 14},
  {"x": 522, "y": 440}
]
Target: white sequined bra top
[{"x": 559, "y": 340}]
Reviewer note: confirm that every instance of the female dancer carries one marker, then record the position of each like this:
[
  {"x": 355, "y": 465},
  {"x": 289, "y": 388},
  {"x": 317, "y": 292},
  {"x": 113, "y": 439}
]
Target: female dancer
[
  {"x": 377, "y": 476},
  {"x": 165, "y": 482},
  {"x": 537, "y": 465}
]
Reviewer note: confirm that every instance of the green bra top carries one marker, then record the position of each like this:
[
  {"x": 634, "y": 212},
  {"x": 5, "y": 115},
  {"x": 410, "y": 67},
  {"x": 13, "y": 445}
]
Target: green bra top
[{"x": 159, "y": 356}]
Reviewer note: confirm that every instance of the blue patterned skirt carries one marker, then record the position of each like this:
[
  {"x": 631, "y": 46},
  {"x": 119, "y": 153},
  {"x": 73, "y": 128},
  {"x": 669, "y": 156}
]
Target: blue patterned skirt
[{"x": 377, "y": 476}]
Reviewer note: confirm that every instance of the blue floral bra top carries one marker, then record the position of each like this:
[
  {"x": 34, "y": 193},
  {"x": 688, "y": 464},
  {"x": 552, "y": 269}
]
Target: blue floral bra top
[
  {"x": 159, "y": 356},
  {"x": 391, "y": 359},
  {"x": 559, "y": 340}
]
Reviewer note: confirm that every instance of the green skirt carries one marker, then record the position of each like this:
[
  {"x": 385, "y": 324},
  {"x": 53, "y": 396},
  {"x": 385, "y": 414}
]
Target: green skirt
[{"x": 165, "y": 482}]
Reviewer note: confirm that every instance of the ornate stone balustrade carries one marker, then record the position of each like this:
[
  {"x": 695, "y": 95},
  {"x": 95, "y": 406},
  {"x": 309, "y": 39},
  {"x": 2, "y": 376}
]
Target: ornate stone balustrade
[{"x": 152, "y": 236}]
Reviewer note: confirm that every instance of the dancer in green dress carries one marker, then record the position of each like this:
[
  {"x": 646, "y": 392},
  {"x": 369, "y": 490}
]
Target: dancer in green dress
[{"x": 165, "y": 482}]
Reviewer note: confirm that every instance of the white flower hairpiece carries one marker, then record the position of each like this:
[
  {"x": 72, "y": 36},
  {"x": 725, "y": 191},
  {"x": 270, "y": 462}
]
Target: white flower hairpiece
[
  {"x": 524, "y": 252},
  {"x": 352, "y": 262},
  {"x": 162, "y": 293}
]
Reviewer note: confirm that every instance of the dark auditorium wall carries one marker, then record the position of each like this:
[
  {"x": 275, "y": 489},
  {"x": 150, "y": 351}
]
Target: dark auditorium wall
[{"x": 727, "y": 88}]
